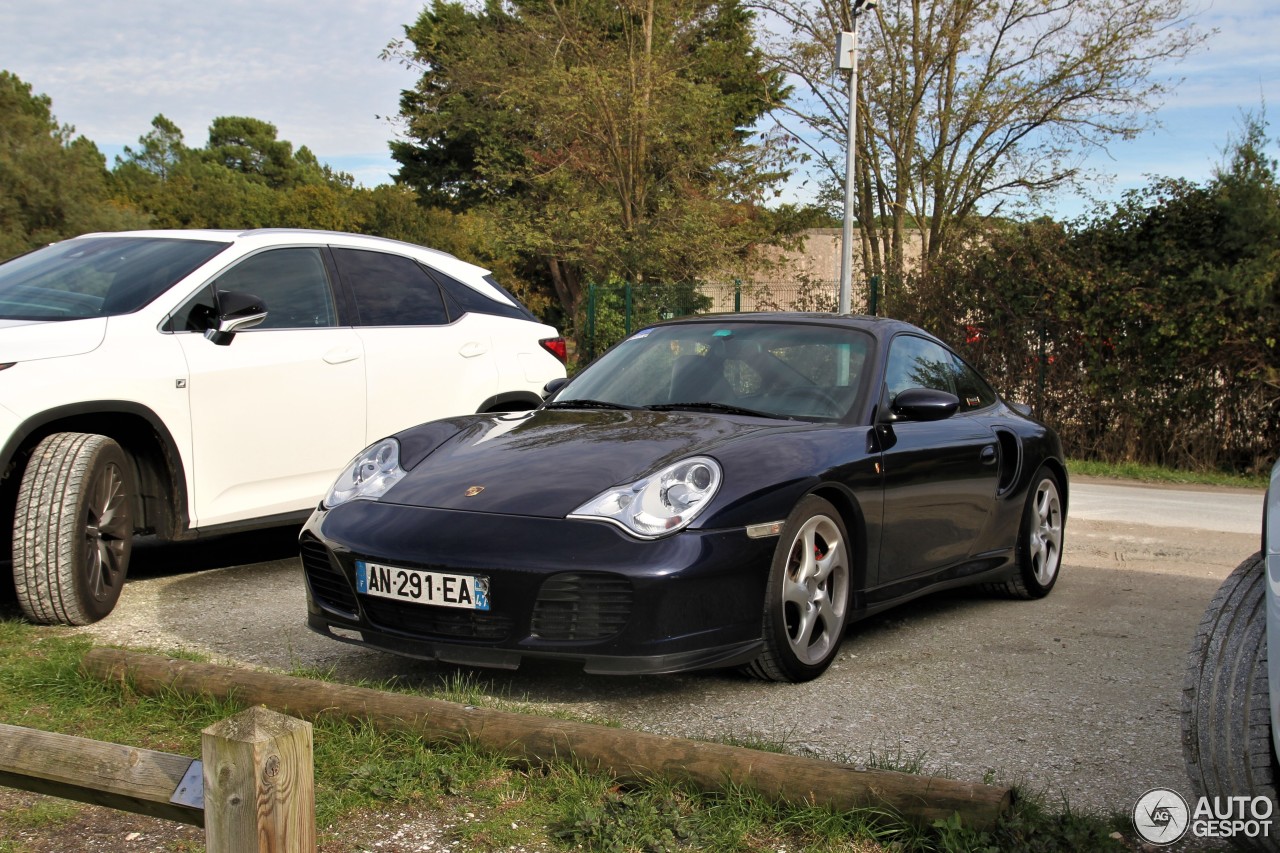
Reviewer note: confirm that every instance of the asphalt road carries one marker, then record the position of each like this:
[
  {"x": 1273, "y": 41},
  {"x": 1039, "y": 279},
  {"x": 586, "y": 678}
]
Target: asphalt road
[
  {"x": 1226, "y": 510},
  {"x": 1076, "y": 695}
]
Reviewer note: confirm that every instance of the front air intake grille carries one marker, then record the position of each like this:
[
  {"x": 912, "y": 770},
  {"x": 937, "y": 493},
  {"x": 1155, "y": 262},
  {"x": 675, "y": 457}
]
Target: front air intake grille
[
  {"x": 426, "y": 621},
  {"x": 587, "y": 606},
  {"x": 328, "y": 585}
]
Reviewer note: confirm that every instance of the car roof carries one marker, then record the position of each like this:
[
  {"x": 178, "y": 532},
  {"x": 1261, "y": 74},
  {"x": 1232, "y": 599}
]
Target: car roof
[
  {"x": 881, "y": 327},
  {"x": 233, "y": 235},
  {"x": 466, "y": 272}
]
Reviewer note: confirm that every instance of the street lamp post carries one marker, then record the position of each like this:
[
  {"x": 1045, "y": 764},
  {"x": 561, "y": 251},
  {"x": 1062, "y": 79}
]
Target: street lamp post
[{"x": 847, "y": 58}]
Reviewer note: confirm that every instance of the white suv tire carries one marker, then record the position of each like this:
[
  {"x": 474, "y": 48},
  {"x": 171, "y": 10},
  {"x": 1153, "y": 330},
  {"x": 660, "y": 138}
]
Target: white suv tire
[{"x": 73, "y": 529}]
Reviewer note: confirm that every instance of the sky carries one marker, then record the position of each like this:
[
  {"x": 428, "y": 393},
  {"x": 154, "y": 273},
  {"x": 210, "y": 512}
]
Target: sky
[{"x": 312, "y": 68}]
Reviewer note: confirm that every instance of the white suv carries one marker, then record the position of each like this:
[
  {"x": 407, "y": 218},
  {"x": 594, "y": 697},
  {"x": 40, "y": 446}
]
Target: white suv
[{"x": 183, "y": 383}]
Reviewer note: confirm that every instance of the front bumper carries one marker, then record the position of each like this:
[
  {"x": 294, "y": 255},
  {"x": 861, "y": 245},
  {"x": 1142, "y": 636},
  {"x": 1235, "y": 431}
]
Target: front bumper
[{"x": 558, "y": 588}]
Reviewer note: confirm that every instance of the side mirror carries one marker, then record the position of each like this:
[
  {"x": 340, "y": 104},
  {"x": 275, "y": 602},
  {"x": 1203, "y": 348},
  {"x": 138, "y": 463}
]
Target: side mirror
[
  {"x": 924, "y": 404},
  {"x": 237, "y": 311},
  {"x": 553, "y": 386},
  {"x": 1021, "y": 408}
]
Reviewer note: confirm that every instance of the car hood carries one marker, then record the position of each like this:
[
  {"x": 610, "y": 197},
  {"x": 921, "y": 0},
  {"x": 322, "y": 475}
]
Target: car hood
[
  {"x": 549, "y": 462},
  {"x": 26, "y": 340}
]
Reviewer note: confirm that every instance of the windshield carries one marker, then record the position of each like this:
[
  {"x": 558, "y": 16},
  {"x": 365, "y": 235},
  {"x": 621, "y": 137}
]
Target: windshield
[
  {"x": 96, "y": 276},
  {"x": 779, "y": 370}
]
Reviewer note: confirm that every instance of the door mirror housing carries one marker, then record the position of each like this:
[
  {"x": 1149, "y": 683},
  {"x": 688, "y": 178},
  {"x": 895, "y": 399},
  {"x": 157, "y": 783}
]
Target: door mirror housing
[
  {"x": 553, "y": 386},
  {"x": 923, "y": 404},
  {"x": 237, "y": 311}
]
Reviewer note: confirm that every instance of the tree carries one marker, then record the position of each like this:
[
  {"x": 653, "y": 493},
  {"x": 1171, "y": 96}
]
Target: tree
[
  {"x": 53, "y": 184},
  {"x": 249, "y": 146},
  {"x": 967, "y": 105},
  {"x": 610, "y": 139},
  {"x": 1146, "y": 332},
  {"x": 159, "y": 151},
  {"x": 244, "y": 178}
]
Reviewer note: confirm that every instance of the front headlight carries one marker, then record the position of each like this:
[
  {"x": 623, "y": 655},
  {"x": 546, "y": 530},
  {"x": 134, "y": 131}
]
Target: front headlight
[
  {"x": 369, "y": 475},
  {"x": 660, "y": 504}
]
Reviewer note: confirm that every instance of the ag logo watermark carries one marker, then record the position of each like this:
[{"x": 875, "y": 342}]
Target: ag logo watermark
[{"x": 1161, "y": 816}]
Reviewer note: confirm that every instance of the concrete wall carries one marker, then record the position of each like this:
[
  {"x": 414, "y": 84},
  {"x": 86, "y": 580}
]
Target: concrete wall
[{"x": 803, "y": 279}]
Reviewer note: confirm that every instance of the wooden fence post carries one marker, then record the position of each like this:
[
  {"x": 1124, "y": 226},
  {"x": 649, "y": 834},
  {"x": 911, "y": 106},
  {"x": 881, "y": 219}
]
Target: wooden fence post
[{"x": 259, "y": 784}]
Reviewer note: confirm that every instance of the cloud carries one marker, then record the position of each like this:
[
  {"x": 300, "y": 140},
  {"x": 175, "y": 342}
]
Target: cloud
[{"x": 311, "y": 68}]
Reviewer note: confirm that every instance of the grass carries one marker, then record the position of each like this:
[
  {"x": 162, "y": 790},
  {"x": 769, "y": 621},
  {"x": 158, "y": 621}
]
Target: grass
[
  {"x": 1153, "y": 474},
  {"x": 484, "y": 802}
]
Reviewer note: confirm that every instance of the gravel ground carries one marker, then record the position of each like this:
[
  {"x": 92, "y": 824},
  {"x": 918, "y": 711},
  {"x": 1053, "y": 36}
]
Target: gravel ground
[{"x": 1076, "y": 696}]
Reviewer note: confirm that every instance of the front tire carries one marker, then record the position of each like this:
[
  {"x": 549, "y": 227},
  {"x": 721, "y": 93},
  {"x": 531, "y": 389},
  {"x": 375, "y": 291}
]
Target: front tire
[
  {"x": 1226, "y": 699},
  {"x": 806, "y": 604},
  {"x": 73, "y": 529}
]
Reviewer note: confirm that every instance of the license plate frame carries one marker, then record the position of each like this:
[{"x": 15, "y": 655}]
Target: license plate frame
[{"x": 419, "y": 586}]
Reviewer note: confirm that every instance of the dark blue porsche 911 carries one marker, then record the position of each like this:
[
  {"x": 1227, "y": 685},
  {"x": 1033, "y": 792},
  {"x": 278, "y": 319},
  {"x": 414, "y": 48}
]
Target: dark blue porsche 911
[{"x": 717, "y": 491}]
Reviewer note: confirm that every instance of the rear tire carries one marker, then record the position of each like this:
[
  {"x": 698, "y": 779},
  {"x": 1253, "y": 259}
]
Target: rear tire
[
  {"x": 1040, "y": 537},
  {"x": 73, "y": 529},
  {"x": 806, "y": 605},
  {"x": 1226, "y": 700}
]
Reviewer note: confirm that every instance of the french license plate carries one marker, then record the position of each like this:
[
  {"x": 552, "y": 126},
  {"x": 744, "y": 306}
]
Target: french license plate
[{"x": 444, "y": 590}]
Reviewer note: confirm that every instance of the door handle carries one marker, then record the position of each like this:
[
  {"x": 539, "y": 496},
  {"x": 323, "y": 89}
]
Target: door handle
[
  {"x": 988, "y": 455},
  {"x": 471, "y": 349},
  {"x": 341, "y": 354}
]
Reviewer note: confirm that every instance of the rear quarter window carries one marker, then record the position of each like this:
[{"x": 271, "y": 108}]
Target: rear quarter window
[{"x": 464, "y": 299}]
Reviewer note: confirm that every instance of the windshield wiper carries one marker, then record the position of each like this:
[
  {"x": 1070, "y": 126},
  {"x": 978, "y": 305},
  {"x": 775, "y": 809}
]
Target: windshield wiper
[
  {"x": 707, "y": 405},
  {"x": 587, "y": 404}
]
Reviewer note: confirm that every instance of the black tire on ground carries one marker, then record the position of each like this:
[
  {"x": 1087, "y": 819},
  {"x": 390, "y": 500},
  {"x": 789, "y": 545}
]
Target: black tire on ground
[
  {"x": 73, "y": 529},
  {"x": 806, "y": 606},
  {"x": 1226, "y": 708},
  {"x": 1040, "y": 537}
]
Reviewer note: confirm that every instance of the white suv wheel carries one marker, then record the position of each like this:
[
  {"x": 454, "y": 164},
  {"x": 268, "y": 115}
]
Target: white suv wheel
[{"x": 73, "y": 529}]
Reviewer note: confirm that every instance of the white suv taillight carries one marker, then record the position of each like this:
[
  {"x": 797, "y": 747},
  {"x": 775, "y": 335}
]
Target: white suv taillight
[{"x": 557, "y": 347}]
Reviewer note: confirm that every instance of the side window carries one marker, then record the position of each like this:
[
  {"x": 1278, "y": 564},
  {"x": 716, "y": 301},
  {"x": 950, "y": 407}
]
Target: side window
[
  {"x": 464, "y": 299},
  {"x": 197, "y": 314},
  {"x": 917, "y": 363},
  {"x": 973, "y": 392},
  {"x": 390, "y": 290},
  {"x": 292, "y": 282}
]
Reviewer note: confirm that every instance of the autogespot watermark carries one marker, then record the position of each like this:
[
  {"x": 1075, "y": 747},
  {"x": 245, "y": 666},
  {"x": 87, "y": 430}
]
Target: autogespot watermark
[{"x": 1161, "y": 816}]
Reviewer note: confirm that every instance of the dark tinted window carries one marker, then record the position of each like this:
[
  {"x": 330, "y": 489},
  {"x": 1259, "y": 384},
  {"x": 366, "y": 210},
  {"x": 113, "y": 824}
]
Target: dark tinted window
[
  {"x": 292, "y": 282},
  {"x": 197, "y": 314},
  {"x": 390, "y": 290},
  {"x": 918, "y": 363},
  {"x": 97, "y": 277},
  {"x": 463, "y": 299},
  {"x": 974, "y": 393}
]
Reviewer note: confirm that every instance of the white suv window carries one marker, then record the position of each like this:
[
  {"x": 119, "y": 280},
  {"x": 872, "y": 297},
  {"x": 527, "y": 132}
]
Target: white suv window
[
  {"x": 390, "y": 290},
  {"x": 292, "y": 282}
]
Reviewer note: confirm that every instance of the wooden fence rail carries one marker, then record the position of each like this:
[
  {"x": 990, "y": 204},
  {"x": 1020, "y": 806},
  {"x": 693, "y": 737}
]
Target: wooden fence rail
[
  {"x": 252, "y": 789},
  {"x": 623, "y": 754}
]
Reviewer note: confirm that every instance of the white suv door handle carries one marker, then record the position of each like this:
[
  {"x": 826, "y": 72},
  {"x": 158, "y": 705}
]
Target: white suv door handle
[
  {"x": 471, "y": 349},
  {"x": 342, "y": 354}
]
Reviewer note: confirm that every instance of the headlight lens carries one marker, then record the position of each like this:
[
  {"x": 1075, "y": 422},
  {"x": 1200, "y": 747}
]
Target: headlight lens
[
  {"x": 369, "y": 475},
  {"x": 660, "y": 504}
]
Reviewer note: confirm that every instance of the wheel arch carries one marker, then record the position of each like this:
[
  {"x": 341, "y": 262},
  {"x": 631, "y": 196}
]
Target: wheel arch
[
  {"x": 1060, "y": 471},
  {"x": 855, "y": 523},
  {"x": 161, "y": 503}
]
